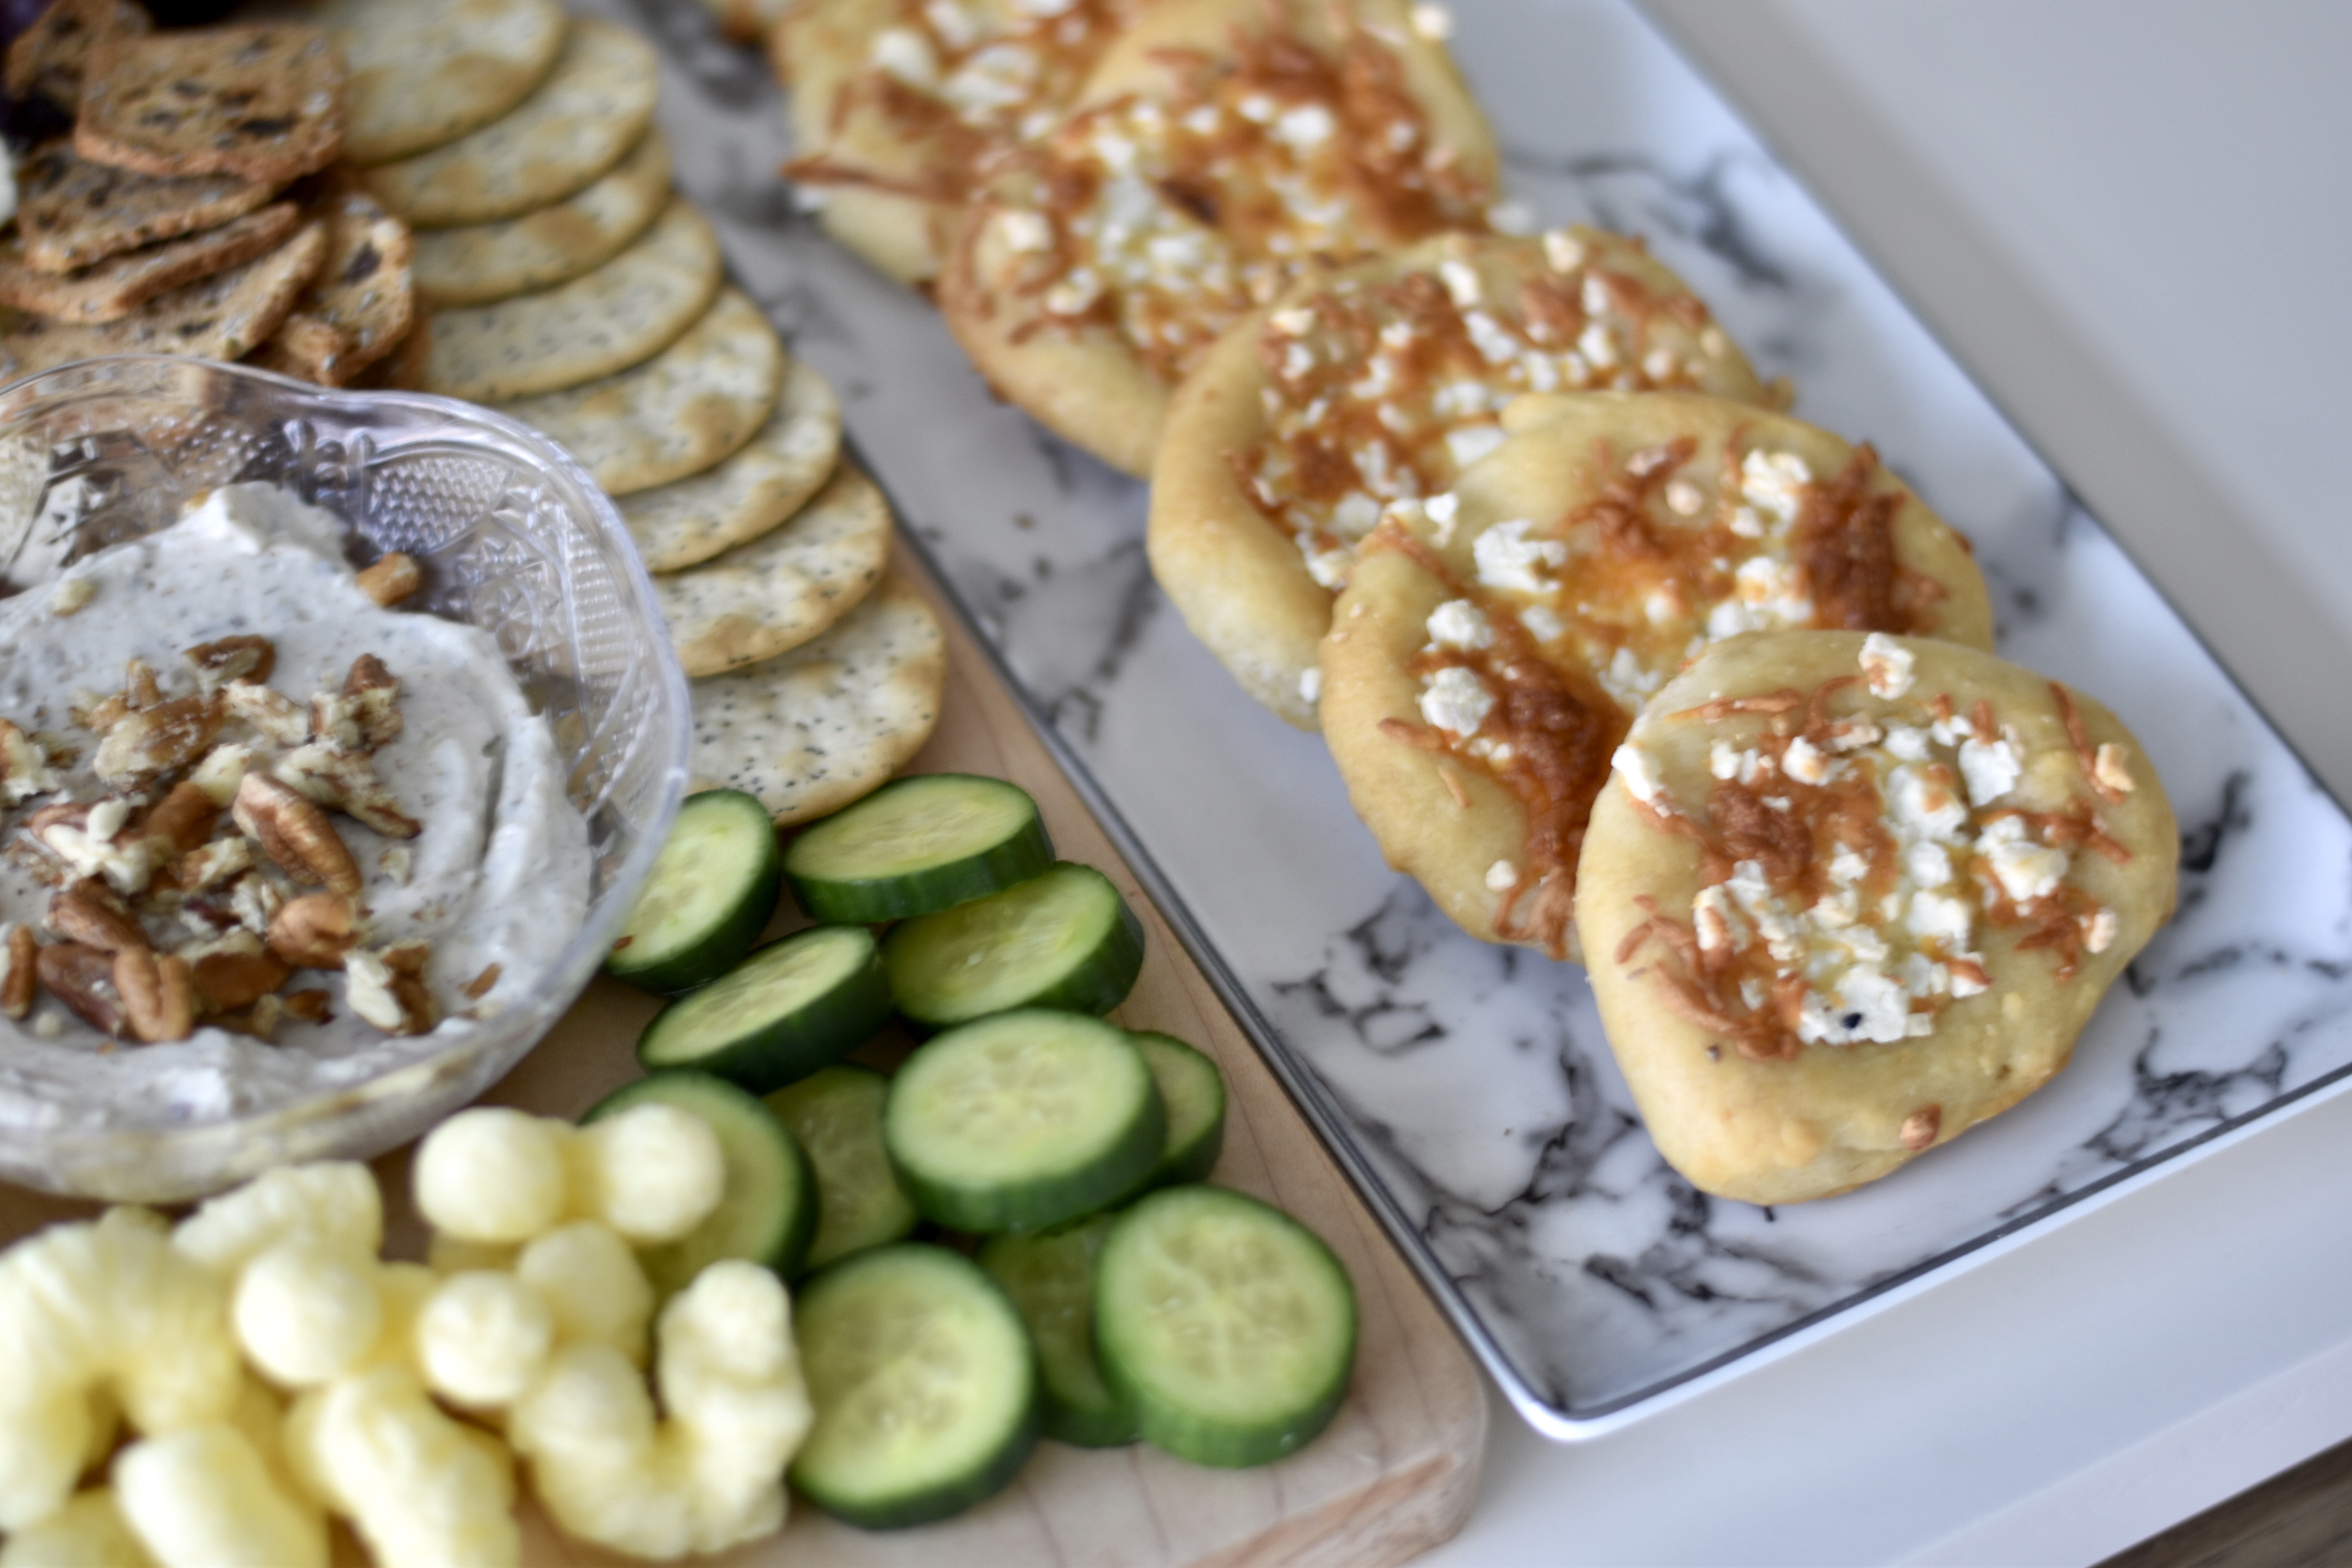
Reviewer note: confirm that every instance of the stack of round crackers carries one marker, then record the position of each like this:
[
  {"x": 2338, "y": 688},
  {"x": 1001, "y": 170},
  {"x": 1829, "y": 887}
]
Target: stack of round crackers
[
  {"x": 196, "y": 205},
  {"x": 1512, "y": 520},
  {"x": 575, "y": 290}
]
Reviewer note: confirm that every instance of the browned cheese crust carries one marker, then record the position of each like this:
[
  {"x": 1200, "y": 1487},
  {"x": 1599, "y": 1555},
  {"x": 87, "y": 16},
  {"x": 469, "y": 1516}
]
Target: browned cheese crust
[
  {"x": 1875, "y": 891},
  {"x": 1376, "y": 383},
  {"x": 1221, "y": 151},
  {"x": 1578, "y": 567}
]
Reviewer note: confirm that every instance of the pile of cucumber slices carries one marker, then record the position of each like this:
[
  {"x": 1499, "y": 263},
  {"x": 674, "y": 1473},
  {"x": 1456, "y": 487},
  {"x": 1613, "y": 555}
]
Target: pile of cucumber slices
[{"x": 1011, "y": 1234}]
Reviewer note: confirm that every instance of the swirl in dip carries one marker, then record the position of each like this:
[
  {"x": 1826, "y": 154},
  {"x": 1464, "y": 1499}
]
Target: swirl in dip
[{"x": 162, "y": 782}]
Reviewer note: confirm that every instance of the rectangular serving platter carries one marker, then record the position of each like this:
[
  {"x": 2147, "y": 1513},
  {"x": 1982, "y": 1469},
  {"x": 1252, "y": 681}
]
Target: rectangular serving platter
[{"x": 1467, "y": 1090}]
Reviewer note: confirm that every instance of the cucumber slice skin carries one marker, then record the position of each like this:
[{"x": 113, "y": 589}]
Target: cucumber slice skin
[
  {"x": 1194, "y": 1092},
  {"x": 1050, "y": 1279},
  {"x": 844, "y": 1305},
  {"x": 726, "y": 855},
  {"x": 767, "y": 1212},
  {"x": 1295, "y": 1381},
  {"x": 835, "y": 1113},
  {"x": 930, "y": 957},
  {"x": 1086, "y": 1161},
  {"x": 764, "y": 1053},
  {"x": 988, "y": 860}
]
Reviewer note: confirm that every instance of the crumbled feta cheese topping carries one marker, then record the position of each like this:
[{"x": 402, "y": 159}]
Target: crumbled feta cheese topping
[
  {"x": 1508, "y": 559},
  {"x": 1886, "y": 666},
  {"x": 1459, "y": 624},
  {"x": 1640, "y": 772},
  {"x": 1456, "y": 701}
]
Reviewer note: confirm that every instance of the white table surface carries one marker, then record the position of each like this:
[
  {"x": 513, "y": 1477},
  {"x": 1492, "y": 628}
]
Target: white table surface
[{"x": 2128, "y": 218}]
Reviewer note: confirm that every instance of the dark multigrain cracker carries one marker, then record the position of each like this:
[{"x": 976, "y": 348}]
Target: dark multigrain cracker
[
  {"x": 72, "y": 212},
  {"x": 266, "y": 102},
  {"x": 359, "y": 306},
  {"x": 118, "y": 285},
  {"x": 50, "y": 58},
  {"x": 221, "y": 317}
]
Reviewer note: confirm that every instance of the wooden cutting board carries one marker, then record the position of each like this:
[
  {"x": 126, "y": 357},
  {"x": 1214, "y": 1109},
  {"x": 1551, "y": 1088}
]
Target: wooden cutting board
[{"x": 1398, "y": 1470}]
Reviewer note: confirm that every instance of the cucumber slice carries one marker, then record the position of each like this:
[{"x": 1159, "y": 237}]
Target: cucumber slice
[
  {"x": 1194, "y": 1093},
  {"x": 1051, "y": 1279},
  {"x": 1226, "y": 1326},
  {"x": 924, "y": 1384},
  {"x": 836, "y": 1115},
  {"x": 1022, "y": 1121},
  {"x": 713, "y": 888},
  {"x": 1063, "y": 939},
  {"x": 915, "y": 846},
  {"x": 768, "y": 1210},
  {"x": 791, "y": 1007}
]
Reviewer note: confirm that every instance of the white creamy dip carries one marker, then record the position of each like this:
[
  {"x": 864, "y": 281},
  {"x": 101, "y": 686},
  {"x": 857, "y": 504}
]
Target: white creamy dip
[{"x": 497, "y": 875}]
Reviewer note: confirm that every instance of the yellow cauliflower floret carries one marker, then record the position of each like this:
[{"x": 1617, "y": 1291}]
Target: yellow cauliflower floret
[
  {"x": 490, "y": 1178},
  {"x": 202, "y": 1498},
  {"x": 104, "y": 1305},
  {"x": 653, "y": 1173},
  {"x": 711, "y": 1474},
  {"x": 592, "y": 1284},
  {"x": 495, "y": 1175},
  {"x": 308, "y": 1309},
  {"x": 336, "y": 1198},
  {"x": 420, "y": 1487},
  {"x": 482, "y": 1338},
  {"x": 89, "y": 1531}
]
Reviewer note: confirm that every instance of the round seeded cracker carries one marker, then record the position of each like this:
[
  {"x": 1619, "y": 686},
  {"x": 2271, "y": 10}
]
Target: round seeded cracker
[
  {"x": 689, "y": 521},
  {"x": 828, "y": 722},
  {"x": 675, "y": 415},
  {"x": 599, "y": 324},
  {"x": 424, "y": 72},
  {"x": 488, "y": 261},
  {"x": 783, "y": 588},
  {"x": 593, "y": 106}
]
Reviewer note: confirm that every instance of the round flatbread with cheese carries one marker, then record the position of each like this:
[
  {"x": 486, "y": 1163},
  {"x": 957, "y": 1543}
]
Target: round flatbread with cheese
[
  {"x": 1381, "y": 383},
  {"x": 1495, "y": 641},
  {"x": 1848, "y": 895},
  {"x": 1221, "y": 151}
]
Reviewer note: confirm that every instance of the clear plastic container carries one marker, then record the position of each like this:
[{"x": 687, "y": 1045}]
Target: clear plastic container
[{"x": 514, "y": 538}]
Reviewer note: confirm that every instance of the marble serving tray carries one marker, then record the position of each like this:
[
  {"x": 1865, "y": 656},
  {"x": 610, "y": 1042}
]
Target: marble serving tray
[{"x": 1468, "y": 1089}]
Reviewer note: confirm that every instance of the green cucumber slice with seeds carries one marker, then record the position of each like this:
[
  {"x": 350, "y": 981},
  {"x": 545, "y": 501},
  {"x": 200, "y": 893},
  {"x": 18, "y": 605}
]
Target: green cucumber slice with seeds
[
  {"x": 1063, "y": 939},
  {"x": 1024, "y": 1120},
  {"x": 1194, "y": 1093},
  {"x": 713, "y": 890},
  {"x": 918, "y": 846},
  {"x": 789, "y": 1008},
  {"x": 836, "y": 1115},
  {"x": 1051, "y": 1279},
  {"x": 767, "y": 1211},
  {"x": 924, "y": 1384},
  {"x": 1225, "y": 1325}
]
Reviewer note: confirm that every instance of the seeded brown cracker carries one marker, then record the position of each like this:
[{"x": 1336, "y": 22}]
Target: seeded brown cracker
[
  {"x": 593, "y": 106},
  {"x": 115, "y": 286},
  {"x": 360, "y": 303},
  {"x": 766, "y": 597},
  {"x": 599, "y": 324},
  {"x": 50, "y": 58},
  {"x": 678, "y": 413},
  {"x": 692, "y": 520},
  {"x": 221, "y": 317},
  {"x": 72, "y": 212},
  {"x": 828, "y": 722},
  {"x": 424, "y": 72},
  {"x": 484, "y": 262},
  {"x": 266, "y": 102}
]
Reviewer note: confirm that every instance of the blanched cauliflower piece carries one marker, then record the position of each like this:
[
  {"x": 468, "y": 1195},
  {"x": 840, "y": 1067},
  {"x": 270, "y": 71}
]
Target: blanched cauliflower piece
[
  {"x": 308, "y": 1309},
  {"x": 335, "y": 1198},
  {"x": 592, "y": 1284},
  {"x": 419, "y": 1486},
  {"x": 108, "y": 1304},
  {"x": 202, "y": 1498},
  {"x": 653, "y": 1173},
  {"x": 482, "y": 1338},
  {"x": 493, "y": 1174},
  {"x": 89, "y": 1531},
  {"x": 710, "y": 1475},
  {"x": 491, "y": 1177}
]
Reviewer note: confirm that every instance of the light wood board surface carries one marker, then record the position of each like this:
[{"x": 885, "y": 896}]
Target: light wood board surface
[{"x": 1398, "y": 1470}]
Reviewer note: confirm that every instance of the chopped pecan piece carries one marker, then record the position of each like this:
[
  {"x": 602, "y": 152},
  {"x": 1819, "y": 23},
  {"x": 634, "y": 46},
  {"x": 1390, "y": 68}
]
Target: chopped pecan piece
[
  {"x": 311, "y": 1006},
  {"x": 395, "y": 1001},
  {"x": 296, "y": 834},
  {"x": 95, "y": 915},
  {"x": 182, "y": 819},
  {"x": 20, "y": 956},
  {"x": 278, "y": 716},
  {"x": 236, "y": 972},
  {"x": 246, "y": 657},
  {"x": 479, "y": 985},
  {"x": 141, "y": 689},
  {"x": 83, "y": 979},
  {"x": 375, "y": 692},
  {"x": 392, "y": 578},
  {"x": 159, "y": 737},
  {"x": 159, "y": 995},
  {"x": 200, "y": 870},
  {"x": 254, "y": 901},
  {"x": 25, "y": 769},
  {"x": 221, "y": 771},
  {"x": 315, "y": 931},
  {"x": 100, "y": 715},
  {"x": 97, "y": 847},
  {"x": 347, "y": 780}
]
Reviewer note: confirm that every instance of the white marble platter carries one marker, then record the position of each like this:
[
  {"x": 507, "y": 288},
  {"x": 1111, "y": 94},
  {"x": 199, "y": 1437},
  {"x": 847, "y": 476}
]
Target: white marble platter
[{"x": 1468, "y": 1089}]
